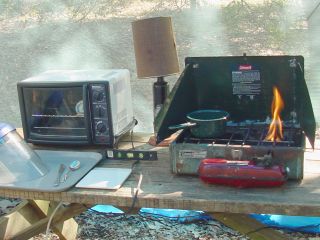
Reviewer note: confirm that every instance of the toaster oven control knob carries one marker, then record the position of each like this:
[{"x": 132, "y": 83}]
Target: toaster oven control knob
[
  {"x": 98, "y": 96},
  {"x": 101, "y": 127}
]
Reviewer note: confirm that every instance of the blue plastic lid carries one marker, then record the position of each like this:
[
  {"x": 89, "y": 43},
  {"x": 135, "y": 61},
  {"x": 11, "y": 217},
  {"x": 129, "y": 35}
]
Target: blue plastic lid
[{"x": 5, "y": 128}]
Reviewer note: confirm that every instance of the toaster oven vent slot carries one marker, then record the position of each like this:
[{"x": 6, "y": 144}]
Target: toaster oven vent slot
[{"x": 58, "y": 116}]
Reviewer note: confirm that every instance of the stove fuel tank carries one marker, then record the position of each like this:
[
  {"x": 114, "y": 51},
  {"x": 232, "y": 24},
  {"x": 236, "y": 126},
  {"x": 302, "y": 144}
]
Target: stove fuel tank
[{"x": 242, "y": 174}]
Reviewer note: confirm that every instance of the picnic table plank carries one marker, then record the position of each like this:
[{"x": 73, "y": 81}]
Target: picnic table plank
[{"x": 161, "y": 188}]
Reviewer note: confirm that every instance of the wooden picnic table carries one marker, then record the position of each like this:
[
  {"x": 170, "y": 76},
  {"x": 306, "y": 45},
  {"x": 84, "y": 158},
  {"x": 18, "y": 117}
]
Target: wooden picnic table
[{"x": 160, "y": 188}]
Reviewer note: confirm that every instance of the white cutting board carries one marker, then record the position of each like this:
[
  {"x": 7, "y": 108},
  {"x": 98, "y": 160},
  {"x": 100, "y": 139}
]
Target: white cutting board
[{"x": 104, "y": 178}]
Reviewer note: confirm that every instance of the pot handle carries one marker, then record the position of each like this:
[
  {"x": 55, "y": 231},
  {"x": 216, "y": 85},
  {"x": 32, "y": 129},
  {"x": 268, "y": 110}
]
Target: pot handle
[{"x": 182, "y": 126}]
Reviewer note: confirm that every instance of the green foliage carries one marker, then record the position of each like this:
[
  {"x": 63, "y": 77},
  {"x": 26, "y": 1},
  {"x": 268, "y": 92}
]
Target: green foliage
[
  {"x": 251, "y": 21},
  {"x": 46, "y": 10},
  {"x": 77, "y": 9},
  {"x": 10, "y": 7}
]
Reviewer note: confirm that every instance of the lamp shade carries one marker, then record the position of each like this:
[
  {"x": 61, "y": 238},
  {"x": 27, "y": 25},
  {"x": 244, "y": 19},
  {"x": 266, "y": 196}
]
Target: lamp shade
[{"x": 154, "y": 47}]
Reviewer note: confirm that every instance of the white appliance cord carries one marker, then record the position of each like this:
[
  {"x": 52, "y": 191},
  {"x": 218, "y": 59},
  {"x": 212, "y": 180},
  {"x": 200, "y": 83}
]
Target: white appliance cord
[{"x": 50, "y": 220}]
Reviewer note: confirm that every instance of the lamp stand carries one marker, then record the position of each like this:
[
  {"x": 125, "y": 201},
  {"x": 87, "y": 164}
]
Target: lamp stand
[{"x": 160, "y": 93}]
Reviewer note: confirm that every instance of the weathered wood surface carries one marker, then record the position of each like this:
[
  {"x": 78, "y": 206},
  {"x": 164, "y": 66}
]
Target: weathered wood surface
[
  {"x": 162, "y": 189},
  {"x": 30, "y": 218}
]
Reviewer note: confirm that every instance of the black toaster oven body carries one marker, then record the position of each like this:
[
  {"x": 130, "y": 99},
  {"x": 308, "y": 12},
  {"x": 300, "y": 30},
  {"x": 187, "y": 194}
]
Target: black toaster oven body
[{"x": 62, "y": 111}]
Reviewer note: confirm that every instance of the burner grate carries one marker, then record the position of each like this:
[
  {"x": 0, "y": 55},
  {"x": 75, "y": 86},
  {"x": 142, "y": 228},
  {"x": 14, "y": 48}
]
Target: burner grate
[{"x": 252, "y": 135}]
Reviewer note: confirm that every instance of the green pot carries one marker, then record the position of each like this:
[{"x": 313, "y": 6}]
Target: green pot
[{"x": 205, "y": 123}]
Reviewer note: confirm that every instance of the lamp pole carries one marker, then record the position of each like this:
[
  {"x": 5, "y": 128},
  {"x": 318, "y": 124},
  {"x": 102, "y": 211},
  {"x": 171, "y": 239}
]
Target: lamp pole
[{"x": 160, "y": 93}]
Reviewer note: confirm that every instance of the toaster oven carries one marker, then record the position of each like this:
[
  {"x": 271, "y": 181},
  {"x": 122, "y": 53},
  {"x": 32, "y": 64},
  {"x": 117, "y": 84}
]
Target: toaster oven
[{"x": 89, "y": 107}]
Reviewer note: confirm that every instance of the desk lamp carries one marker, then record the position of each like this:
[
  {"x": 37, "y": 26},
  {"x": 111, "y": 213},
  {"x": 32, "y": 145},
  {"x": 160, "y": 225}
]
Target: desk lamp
[{"x": 156, "y": 55}]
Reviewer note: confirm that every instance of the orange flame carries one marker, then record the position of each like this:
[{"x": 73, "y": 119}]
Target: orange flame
[{"x": 275, "y": 129}]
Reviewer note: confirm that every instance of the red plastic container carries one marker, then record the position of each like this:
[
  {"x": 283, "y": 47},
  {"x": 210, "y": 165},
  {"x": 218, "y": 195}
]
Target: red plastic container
[{"x": 243, "y": 174}]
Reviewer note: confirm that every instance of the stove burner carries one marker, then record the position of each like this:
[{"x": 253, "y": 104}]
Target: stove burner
[{"x": 253, "y": 135}]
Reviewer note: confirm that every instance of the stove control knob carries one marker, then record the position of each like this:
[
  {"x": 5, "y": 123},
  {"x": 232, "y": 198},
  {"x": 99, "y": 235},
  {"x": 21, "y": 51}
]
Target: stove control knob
[{"x": 101, "y": 127}]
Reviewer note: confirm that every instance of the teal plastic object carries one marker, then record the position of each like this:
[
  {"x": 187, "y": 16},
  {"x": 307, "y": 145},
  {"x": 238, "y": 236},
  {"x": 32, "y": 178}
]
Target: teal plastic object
[
  {"x": 108, "y": 209},
  {"x": 292, "y": 223},
  {"x": 183, "y": 216}
]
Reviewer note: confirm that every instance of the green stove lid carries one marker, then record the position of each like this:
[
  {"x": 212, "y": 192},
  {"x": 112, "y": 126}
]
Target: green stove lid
[{"x": 242, "y": 86}]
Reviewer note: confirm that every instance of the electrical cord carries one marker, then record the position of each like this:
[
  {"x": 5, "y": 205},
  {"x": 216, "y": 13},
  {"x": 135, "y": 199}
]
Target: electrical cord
[
  {"x": 131, "y": 136},
  {"x": 257, "y": 230},
  {"x": 135, "y": 197},
  {"x": 50, "y": 220},
  {"x": 313, "y": 11},
  {"x": 134, "y": 164},
  {"x": 134, "y": 200},
  {"x": 125, "y": 130},
  {"x": 131, "y": 139}
]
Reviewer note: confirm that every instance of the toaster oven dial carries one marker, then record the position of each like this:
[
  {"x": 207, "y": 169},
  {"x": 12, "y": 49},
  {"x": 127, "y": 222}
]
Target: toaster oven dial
[
  {"x": 101, "y": 127},
  {"x": 98, "y": 96}
]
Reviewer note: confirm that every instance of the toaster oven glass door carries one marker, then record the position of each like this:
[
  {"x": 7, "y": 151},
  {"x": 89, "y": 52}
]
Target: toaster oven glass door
[{"x": 56, "y": 112}]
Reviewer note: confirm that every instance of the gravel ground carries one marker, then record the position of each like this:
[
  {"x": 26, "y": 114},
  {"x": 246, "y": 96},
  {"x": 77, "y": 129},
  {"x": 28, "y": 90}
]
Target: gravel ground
[{"x": 94, "y": 225}]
